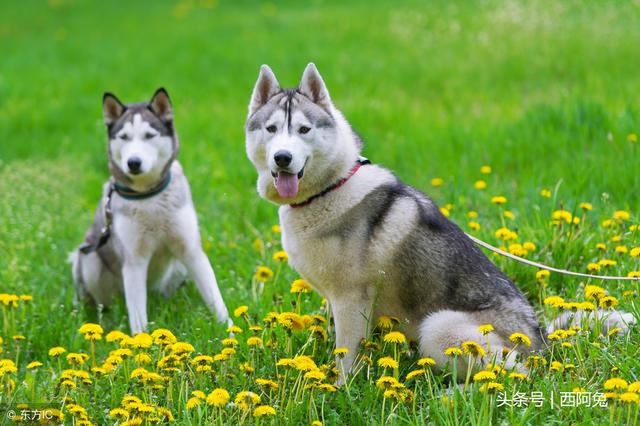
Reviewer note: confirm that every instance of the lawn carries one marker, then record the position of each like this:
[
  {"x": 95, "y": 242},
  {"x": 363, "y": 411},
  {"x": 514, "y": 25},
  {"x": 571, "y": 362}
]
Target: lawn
[{"x": 543, "y": 92}]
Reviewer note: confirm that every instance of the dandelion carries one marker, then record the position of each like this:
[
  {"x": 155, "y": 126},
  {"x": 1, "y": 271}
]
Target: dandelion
[
  {"x": 445, "y": 211},
  {"x": 387, "y": 362},
  {"x": 452, "y": 352},
  {"x": 315, "y": 375},
  {"x": 264, "y": 410},
  {"x": 163, "y": 337},
  {"x": 586, "y": 207},
  {"x": 56, "y": 351},
  {"x": 519, "y": 338},
  {"x": 385, "y": 321},
  {"x": 593, "y": 267},
  {"x": 485, "y": 170},
  {"x": 263, "y": 274},
  {"x": 240, "y": 310},
  {"x": 340, "y": 352},
  {"x": 630, "y": 397},
  {"x": 546, "y": 193},
  {"x": 218, "y": 398},
  {"x": 480, "y": 184},
  {"x": 492, "y": 387},
  {"x": 435, "y": 182},
  {"x": 518, "y": 376},
  {"x": 621, "y": 215},
  {"x": 426, "y": 361},
  {"x": 542, "y": 274},
  {"x": 506, "y": 234},
  {"x": 91, "y": 331},
  {"x": 234, "y": 329},
  {"x": 415, "y": 373},
  {"x": 483, "y": 376},
  {"x": 472, "y": 214},
  {"x": 616, "y": 383},
  {"x": 246, "y": 399},
  {"x": 498, "y": 199},
  {"x": 34, "y": 364},
  {"x": 300, "y": 286},
  {"x": 473, "y": 225},
  {"x": 266, "y": 383},
  {"x": 608, "y": 302},
  {"x": 473, "y": 349},
  {"x": 394, "y": 337},
  {"x": 254, "y": 341},
  {"x": 193, "y": 402},
  {"x": 280, "y": 256},
  {"x": 594, "y": 292},
  {"x": 562, "y": 215},
  {"x": 385, "y": 382}
]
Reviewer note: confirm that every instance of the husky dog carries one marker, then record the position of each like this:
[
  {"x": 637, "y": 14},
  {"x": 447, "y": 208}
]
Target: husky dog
[
  {"x": 145, "y": 228},
  {"x": 370, "y": 244}
]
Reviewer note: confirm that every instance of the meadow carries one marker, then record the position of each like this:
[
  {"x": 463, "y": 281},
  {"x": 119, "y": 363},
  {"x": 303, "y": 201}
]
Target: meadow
[{"x": 520, "y": 119}]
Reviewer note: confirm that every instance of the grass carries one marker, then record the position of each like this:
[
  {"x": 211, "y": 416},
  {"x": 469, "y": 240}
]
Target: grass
[{"x": 544, "y": 92}]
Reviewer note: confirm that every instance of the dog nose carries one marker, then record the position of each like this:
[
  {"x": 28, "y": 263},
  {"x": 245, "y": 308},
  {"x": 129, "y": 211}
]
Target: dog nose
[
  {"x": 283, "y": 158},
  {"x": 134, "y": 164}
]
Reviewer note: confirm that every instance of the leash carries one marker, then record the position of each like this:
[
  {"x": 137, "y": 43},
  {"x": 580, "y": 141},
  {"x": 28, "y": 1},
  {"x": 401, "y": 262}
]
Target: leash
[
  {"x": 128, "y": 194},
  {"x": 550, "y": 268}
]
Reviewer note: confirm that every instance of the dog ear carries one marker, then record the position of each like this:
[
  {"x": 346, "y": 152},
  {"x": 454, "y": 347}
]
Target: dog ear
[
  {"x": 266, "y": 86},
  {"x": 160, "y": 104},
  {"x": 112, "y": 108},
  {"x": 312, "y": 86}
]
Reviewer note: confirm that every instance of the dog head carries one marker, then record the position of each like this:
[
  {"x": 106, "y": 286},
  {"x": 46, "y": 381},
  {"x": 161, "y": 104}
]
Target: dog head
[
  {"x": 142, "y": 140},
  {"x": 296, "y": 138}
]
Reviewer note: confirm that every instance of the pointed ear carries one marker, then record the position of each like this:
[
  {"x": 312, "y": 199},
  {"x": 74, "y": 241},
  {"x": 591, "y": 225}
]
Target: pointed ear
[
  {"x": 312, "y": 86},
  {"x": 160, "y": 104},
  {"x": 266, "y": 86},
  {"x": 112, "y": 108}
]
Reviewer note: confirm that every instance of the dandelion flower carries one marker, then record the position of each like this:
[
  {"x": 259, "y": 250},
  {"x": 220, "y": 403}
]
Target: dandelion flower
[
  {"x": 473, "y": 349},
  {"x": 315, "y": 375},
  {"x": 485, "y": 170},
  {"x": 518, "y": 376},
  {"x": 245, "y": 399},
  {"x": 520, "y": 338},
  {"x": 427, "y": 361},
  {"x": 280, "y": 256},
  {"x": 480, "y": 184},
  {"x": 474, "y": 225},
  {"x": 254, "y": 341},
  {"x": 264, "y": 410},
  {"x": 394, "y": 337},
  {"x": 300, "y": 286},
  {"x": 58, "y": 350},
  {"x": 91, "y": 331},
  {"x": 263, "y": 274},
  {"x": 621, "y": 215},
  {"x": 616, "y": 383},
  {"x": 630, "y": 397},
  {"x": 452, "y": 352},
  {"x": 492, "y": 387},
  {"x": 608, "y": 302},
  {"x": 483, "y": 376},
  {"x": 387, "y": 362},
  {"x": 542, "y": 274},
  {"x": 34, "y": 364},
  {"x": 498, "y": 199},
  {"x": 586, "y": 206},
  {"x": 218, "y": 398},
  {"x": 341, "y": 352},
  {"x": 437, "y": 182},
  {"x": 240, "y": 310}
]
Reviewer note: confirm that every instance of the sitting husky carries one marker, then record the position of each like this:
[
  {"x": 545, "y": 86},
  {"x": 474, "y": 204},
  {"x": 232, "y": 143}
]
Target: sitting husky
[
  {"x": 145, "y": 228},
  {"x": 369, "y": 243}
]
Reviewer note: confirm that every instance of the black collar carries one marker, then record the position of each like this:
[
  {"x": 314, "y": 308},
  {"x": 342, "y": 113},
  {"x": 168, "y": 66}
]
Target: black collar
[{"x": 131, "y": 194}]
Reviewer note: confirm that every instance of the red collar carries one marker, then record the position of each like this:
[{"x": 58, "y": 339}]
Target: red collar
[{"x": 361, "y": 162}]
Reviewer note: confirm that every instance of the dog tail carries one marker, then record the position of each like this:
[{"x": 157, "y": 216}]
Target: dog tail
[
  {"x": 76, "y": 274},
  {"x": 602, "y": 320}
]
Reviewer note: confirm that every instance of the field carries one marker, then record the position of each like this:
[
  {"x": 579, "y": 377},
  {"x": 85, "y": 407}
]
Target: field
[{"x": 545, "y": 93}]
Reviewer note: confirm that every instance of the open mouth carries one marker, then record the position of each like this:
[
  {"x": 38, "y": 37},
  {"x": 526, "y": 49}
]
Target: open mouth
[{"x": 287, "y": 183}]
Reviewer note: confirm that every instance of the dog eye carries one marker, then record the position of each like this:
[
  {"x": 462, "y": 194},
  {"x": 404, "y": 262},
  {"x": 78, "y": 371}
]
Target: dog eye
[
  {"x": 125, "y": 137},
  {"x": 304, "y": 130},
  {"x": 149, "y": 135},
  {"x": 272, "y": 129}
]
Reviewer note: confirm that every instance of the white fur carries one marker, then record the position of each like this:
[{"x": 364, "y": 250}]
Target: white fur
[
  {"x": 139, "y": 139},
  {"x": 156, "y": 241}
]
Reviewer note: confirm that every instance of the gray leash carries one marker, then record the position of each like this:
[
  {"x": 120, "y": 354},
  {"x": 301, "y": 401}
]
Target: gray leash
[{"x": 542, "y": 266}]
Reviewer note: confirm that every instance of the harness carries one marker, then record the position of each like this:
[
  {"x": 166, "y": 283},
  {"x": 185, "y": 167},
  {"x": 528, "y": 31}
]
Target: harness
[{"x": 128, "y": 194}]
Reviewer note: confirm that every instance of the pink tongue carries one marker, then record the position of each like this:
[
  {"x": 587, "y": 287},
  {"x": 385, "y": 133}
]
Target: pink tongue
[{"x": 287, "y": 185}]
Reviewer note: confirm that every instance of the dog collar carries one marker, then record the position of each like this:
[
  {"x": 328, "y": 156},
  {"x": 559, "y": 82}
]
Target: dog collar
[
  {"x": 130, "y": 194},
  {"x": 359, "y": 163}
]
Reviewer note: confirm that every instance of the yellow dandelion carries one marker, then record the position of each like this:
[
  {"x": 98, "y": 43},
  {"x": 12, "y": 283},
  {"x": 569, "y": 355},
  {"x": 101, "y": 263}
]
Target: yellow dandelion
[
  {"x": 263, "y": 274},
  {"x": 474, "y": 349},
  {"x": 280, "y": 256},
  {"x": 264, "y": 410},
  {"x": 427, "y": 361},
  {"x": 254, "y": 341},
  {"x": 485, "y": 170},
  {"x": 91, "y": 331},
  {"x": 473, "y": 225},
  {"x": 415, "y": 373},
  {"x": 452, "y": 352},
  {"x": 480, "y": 184},
  {"x": 586, "y": 206},
  {"x": 621, "y": 215},
  {"x": 499, "y": 199},
  {"x": 437, "y": 182},
  {"x": 546, "y": 193},
  {"x": 630, "y": 397},
  {"x": 218, "y": 398},
  {"x": 394, "y": 337},
  {"x": 520, "y": 338},
  {"x": 341, "y": 352},
  {"x": 34, "y": 364},
  {"x": 387, "y": 362},
  {"x": 241, "y": 310},
  {"x": 56, "y": 351},
  {"x": 485, "y": 329},
  {"x": 483, "y": 376},
  {"x": 300, "y": 286},
  {"x": 616, "y": 383}
]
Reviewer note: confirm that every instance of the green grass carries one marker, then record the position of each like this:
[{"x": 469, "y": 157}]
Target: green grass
[{"x": 545, "y": 92}]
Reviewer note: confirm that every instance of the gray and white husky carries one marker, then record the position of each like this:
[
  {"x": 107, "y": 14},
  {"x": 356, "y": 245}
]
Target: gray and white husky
[
  {"x": 145, "y": 228},
  {"x": 369, "y": 243}
]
